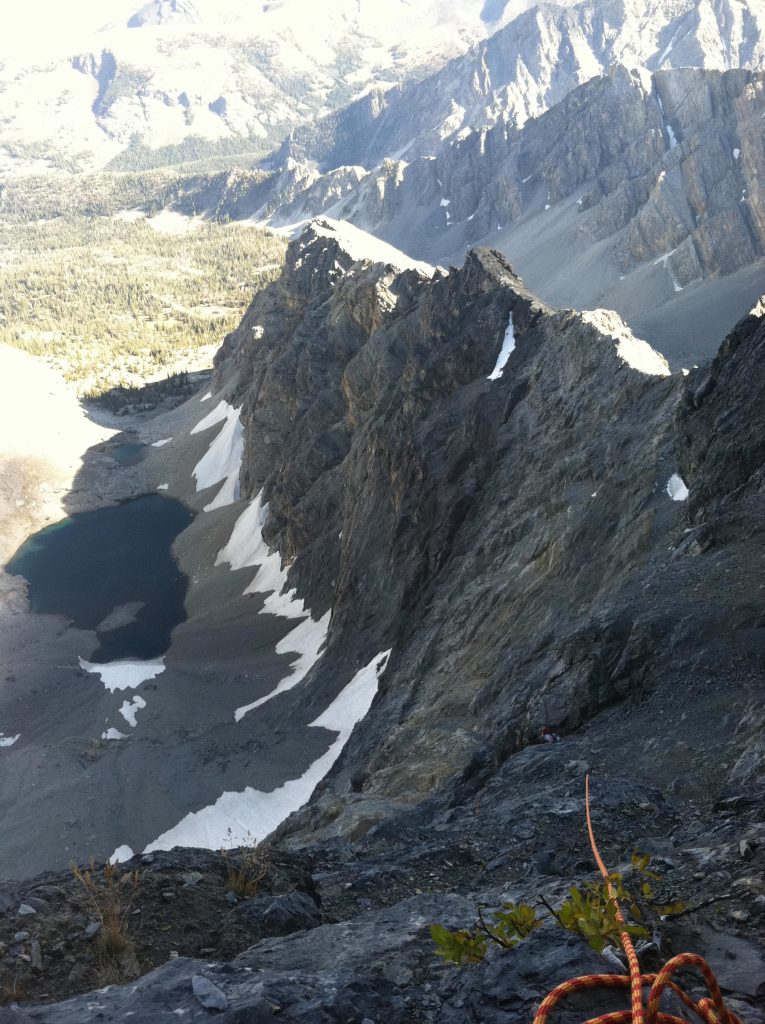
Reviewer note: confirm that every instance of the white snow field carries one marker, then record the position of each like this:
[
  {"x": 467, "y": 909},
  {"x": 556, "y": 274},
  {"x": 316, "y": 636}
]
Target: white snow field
[
  {"x": 250, "y": 815},
  {"x": 246, "y": 547},
  {"x": 306, "y": 640}
]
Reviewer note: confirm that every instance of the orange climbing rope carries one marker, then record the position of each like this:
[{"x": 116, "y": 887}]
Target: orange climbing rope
[{"x": 712, "y": 1010}]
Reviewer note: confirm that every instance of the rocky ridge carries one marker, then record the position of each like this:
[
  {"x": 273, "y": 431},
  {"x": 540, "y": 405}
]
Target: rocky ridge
[
  {"x": 631, "y": 190},
  {"x": 669, "y": 163},
  {"x": 520, "y": 535}
]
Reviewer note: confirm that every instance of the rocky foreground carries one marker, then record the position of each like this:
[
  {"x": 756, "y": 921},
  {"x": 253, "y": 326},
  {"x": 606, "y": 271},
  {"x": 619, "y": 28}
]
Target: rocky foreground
[{"x": 571, "y": 538}]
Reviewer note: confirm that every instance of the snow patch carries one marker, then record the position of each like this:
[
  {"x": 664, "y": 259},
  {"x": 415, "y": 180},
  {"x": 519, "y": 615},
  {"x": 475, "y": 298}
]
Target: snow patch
[
  {"x": 508, "y": 345},
  {"x": 8, "y": 741},
  {"x": 246, "y": 547},
  {"x": 219, "y": 413},
  {"x": 207, "y": 397},
  {"x": 250, "y": 815},
  {"x": 122, "y": 853},
  {"x": 306, "y": 640},
  {"x": 736, "y": 153},
  {"x": 360, "y": 245},
  {"x": 633, "y": 351},
  {"x": 162, "y": 443},
  {"x": 129, "y": 710},
  {"x": 124, "y": 675},
  {"x": 223, "y": 459},
  {"x": 162, "y": 487},
  {"x": 113, "y": 734},
  {"x": 676, "y": 488},
  {"x": 664, "y": 260}
]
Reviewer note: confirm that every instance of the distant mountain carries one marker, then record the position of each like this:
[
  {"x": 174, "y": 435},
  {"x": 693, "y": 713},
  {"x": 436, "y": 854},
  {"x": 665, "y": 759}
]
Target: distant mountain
[
  {"x": 206, "y": 77},
  {"x": 165, "y": 12},
  {"x": 346, "y": 82}
]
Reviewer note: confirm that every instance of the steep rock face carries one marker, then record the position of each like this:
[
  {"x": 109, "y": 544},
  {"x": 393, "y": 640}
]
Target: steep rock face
[
  {"x": 723, "y": 445},
  {"x": 670, "y": 162},
  {"x": 507, "y": 538},
  {"x": 529, "y": 66}
]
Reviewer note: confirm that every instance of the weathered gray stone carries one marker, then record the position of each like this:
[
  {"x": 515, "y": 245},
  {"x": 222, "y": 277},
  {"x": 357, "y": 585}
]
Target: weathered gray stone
[{"x": 208, "y": 994}]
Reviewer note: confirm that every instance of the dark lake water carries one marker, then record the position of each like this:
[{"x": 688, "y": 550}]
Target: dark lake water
[{"x": 85, "y": 566}]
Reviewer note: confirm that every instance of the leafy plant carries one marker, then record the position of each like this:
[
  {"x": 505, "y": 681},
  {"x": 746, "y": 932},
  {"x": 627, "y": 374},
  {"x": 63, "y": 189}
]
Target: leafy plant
[
  {"x": 589, "y": 912},
  {"x": 508, "y": 927},
  {"x": 460, "y": 947}
]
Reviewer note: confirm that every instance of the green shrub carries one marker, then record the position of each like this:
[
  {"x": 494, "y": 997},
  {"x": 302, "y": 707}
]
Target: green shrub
[
  {"x": 508, "y": 926},
  {"x": 589, "y": 912}
]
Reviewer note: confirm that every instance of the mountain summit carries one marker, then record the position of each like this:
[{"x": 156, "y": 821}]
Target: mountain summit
[{"x": 165, "y": 12}]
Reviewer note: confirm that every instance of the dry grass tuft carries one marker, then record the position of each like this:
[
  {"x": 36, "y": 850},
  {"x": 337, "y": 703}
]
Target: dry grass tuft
[
  {"x": 246, "y": 868},
  {"x": 108, "y": 895}
]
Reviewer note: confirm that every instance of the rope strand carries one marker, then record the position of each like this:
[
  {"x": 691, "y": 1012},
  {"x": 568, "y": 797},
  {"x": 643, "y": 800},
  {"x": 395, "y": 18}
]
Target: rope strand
[{"x": 711, "y": 1010}]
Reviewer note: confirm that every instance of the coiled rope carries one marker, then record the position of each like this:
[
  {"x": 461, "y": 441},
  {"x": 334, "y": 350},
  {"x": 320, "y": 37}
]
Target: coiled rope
[{"x": 712, "y": 1010}]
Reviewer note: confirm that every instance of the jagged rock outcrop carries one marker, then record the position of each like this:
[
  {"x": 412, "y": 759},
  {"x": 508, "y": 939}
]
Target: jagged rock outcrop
[{"x": 492, "y": 532}]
